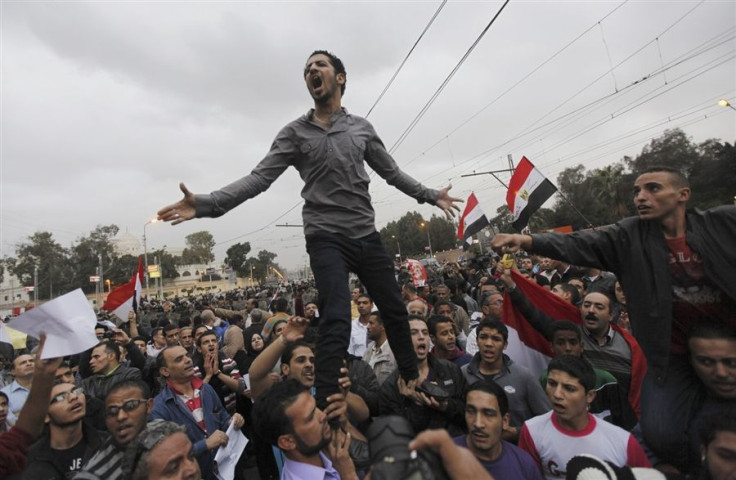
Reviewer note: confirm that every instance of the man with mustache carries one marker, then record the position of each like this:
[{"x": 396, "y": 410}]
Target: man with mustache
[
  {"x": 330, "y": 148},
  {"x": 487, "y": 415}
]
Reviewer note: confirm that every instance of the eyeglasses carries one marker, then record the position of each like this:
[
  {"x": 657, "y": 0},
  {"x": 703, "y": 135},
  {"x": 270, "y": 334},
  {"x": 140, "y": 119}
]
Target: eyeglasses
[
  {"x": 65, "y": 395},
  {"x": 129, "y": 406}
]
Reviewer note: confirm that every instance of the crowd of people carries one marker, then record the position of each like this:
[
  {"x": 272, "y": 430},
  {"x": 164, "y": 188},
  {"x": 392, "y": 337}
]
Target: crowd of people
[{"x": 637, "y": 322}]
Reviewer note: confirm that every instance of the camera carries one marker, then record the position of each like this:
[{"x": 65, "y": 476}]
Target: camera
[{"x": 388, "y": 440}]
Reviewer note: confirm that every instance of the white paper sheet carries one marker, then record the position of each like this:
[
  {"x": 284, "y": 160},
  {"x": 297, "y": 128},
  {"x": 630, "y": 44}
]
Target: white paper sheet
[
  {"x": 227, "y": 457},
  {"x": 69, "y": 323}
]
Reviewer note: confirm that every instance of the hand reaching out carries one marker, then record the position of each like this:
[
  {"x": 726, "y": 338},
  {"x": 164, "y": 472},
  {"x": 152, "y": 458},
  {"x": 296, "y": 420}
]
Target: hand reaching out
[
  {"x": 448, "y": 203},
  {"x": 180, "y": 211}
]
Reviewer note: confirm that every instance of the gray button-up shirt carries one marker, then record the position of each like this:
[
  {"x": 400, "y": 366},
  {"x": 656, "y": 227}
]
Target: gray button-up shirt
[{"x": 332, "y": 165}]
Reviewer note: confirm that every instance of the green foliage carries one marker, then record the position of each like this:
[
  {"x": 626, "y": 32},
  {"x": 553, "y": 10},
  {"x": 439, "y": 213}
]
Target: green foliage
[
  {"x": 408, "y": 235},
  {"x": 604, "y": 195},
  {"x": 236, "y": 258},
  {"x": 199, "y": 248},
  {"x": 52, "y": 260},
  {"x": 87, "y": 252}
]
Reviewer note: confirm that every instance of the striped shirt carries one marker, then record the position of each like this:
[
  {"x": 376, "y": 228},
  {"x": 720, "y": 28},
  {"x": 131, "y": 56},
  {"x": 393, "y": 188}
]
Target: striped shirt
[{"x": 106, "y": 463}]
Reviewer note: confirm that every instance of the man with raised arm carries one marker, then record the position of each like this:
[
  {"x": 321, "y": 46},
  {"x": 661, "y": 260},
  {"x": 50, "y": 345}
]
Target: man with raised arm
[
  {"x": 677, "y": 268},
  {"x": 330, "y": 147}
]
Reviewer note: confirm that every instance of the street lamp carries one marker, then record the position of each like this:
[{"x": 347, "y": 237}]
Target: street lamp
[
  {"x": 398, "y": 245},
  {"x": 429, "y": 241},
  {"x": 724, "y": 103},
  {"x": 145, "y": 252}
]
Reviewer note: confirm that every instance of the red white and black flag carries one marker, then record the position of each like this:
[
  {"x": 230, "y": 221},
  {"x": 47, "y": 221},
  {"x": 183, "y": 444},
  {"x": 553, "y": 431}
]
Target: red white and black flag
[
  {"x": 127, "y": 297},
  {"x": 528, "y": 190},
  {"x": 472, "y": 221}
]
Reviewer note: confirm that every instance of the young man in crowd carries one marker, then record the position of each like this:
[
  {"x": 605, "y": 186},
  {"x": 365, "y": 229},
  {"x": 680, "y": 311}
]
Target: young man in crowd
[
  {"x": 610, "y": 402},
  {"x": 69, "y": 442},
  {"x": 438, "y": 401},
  {"x": 107, "y": 370},
  {"x": 378, "y": 354},
  {"x": 359, "y": 326},
  {"x": 677, "y": 268},
  {"x": 127, "y": 407},
  {"x": 442, "y": 334},
  {"x": 287, "y": 416},
  {"x": 553, "y": 438},
  {"x": 525, "y": 396},
  {"x": 487, "y": 416},
  {"x": 607, "y": 347},
  {"x": 339, "y": 221}
]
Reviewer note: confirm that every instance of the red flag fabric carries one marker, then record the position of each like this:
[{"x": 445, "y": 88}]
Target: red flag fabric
[
  {"x": 528, "y": 190},
  {"x": 126, "y": 297},
  {"x": 472, "y": 221},
  {"x": 559, "y": 309}
]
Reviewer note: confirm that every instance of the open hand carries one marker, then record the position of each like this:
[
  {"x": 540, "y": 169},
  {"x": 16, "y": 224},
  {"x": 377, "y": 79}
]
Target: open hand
[
  {"x": 180, "y": 211},
  {"x": 447, "y": 203}
]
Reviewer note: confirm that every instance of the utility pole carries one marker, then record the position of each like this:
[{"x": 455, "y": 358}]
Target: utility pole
[{"x": 35, "y": 286}]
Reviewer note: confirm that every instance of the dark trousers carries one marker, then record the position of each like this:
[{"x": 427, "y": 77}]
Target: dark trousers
[{"x": 331, "y": 257}]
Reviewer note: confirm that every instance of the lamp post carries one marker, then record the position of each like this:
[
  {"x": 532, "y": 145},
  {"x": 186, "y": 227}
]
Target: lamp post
[
  {"x": 724, "y": 103},
  {"x": 145, "y": 253},
  {"x": 429, "y": 240},
  {"x": 398, "y": 245}
]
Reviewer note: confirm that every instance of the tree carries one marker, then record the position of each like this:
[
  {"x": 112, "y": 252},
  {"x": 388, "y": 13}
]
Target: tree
[
  {"x": 407, "y": 235},
  {"x": 52, "y": 260},
  {"x": 86, "y": 253},
  {"x": 673, "y": 149},
  {"x": 236, "y": 258},
  {"x": 199, "y": 248}
]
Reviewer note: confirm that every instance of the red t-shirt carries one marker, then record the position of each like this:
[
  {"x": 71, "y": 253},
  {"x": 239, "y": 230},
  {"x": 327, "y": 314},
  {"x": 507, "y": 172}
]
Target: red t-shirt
[{"x": 695, "y": 299}]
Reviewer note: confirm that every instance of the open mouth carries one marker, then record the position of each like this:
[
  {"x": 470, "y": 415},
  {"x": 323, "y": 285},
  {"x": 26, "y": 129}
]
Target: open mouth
[{"x": 316, "y": 81}]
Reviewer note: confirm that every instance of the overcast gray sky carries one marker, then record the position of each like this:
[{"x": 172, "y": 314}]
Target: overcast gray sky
[{"x": 106, "y": 105}]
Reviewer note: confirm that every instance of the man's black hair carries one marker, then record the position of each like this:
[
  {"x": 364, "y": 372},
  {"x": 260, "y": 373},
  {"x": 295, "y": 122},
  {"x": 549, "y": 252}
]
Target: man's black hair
[
  {"x": 110, "y": 347},
  {"x": 678, "y": 179},
  {"x": 156, "y": 330},
  {"x": 414, "y": 316},
  {"x": 410, "y": 287},
  {"x": 716, "y": 422},
  {"x": 493, "y": 324},
  {"x": 435, "y": 320},
  {"x": 289, "y": 352},
  {"x": 336, "y": 64},
  {"x": 365, "y": 295},
  {"x": 439, "y": 303},
  {"x": 281, "y": 305},
  {"x": 712, "y": 331},
  {"x": 140, "y": 385},
  {"x": 208, "y": 332},
  {"x": 492, "y": 388},
  {"x": 611, "y": 299},
  {"x": 269, "y": 412},
  {"x": 574, "y": 292},
  {"x": 169, "y": 328},
  {"x": 576, "y": 367},
  {"x": 377, "y": 314},
  {"x": 566, "y": 326}
]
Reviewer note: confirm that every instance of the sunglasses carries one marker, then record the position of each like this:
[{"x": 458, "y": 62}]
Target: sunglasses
[{"x": 129, "y": 406}]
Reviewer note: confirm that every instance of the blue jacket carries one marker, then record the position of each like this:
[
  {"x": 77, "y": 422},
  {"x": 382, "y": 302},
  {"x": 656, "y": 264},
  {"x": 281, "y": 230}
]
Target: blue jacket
[{"x": 167, "y": 406}]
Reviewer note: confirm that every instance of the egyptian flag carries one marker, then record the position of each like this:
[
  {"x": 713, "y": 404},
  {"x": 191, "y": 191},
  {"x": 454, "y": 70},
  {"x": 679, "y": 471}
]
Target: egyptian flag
[
  {"x": 127, "y": 297},
  {"x": 528, "y": 190},
  {"x": 472, "y": 221},
  {"x": 531, "y": 349}
]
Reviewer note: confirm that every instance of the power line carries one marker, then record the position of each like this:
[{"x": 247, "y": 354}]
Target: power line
[
  {"x": 439, "y": 90},
  {"x": 385, "y": 89}
]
